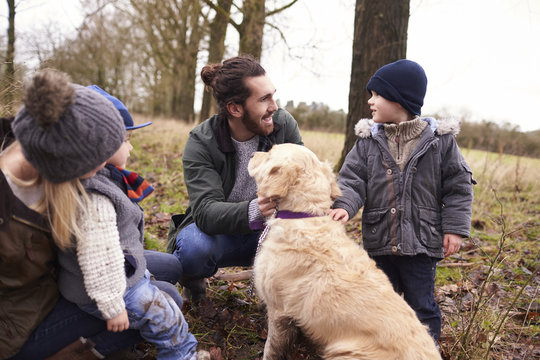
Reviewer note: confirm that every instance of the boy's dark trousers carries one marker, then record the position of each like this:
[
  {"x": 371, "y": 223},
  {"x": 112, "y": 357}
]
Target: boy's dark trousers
[{"x": 414, "y": 277}]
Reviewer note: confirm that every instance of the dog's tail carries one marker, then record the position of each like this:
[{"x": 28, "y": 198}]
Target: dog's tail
[{"x": 349, "y": 349}]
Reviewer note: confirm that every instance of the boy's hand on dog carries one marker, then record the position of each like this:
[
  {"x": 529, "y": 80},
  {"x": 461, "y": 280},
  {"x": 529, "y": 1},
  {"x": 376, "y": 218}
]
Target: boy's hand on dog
[
  {"x": 339, "y": 215},
  {"x": 452, "y": 243},
  {"x": 118, "y": 323},
  {"x": 266, "y": 205}
]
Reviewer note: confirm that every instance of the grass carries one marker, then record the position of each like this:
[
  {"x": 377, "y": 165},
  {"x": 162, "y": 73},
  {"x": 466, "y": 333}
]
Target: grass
[{"x": 488, "y": 292}]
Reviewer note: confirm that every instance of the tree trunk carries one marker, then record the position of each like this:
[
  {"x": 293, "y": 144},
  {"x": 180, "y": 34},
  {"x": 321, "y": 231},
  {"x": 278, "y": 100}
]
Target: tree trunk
[
  {"x": 188, "y": 65},
  {"x": 173, "y": 33},
  {"x": 216, "y": 49},
  {"x": 380, "y": 37},
  {"x": 9, "y": 78},
  {"x": 251, "y": 29}
]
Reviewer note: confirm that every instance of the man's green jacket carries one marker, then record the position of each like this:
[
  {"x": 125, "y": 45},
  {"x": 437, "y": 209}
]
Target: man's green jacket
[{"x": 209, "y": 173}]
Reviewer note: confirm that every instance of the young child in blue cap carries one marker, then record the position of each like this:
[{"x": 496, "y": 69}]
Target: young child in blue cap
[
  {"x": 410, "y": 177},
  {"x": 106, "y": 273}
]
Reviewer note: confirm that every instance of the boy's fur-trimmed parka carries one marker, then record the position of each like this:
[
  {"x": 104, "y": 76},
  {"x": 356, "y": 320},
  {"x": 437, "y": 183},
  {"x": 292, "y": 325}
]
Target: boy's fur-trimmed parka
[{"x": 407, "y": 212}]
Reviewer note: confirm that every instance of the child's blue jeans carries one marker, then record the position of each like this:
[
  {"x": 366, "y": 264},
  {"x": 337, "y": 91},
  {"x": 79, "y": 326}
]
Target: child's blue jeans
[
  {"x": 201, "y": 254},
  {"x": 158, "y": 319},
  {"x": 414, "y": 277}
]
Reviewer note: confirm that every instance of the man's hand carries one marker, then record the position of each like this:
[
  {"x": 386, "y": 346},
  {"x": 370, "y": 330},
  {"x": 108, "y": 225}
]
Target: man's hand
[
  {"x": 339, "y": 215},
  {"x": 452, "y": 243},
  {"x": 266, "y": 205},
  {"x": 118, "y": 323}
]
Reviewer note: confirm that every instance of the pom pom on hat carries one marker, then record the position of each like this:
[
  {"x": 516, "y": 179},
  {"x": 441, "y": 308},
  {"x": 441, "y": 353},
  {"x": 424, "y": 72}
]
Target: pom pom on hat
[
  {"x": 66, "y": 130},
  {"x": 403, "y": 81},
  {"x": 128, "y": 120}
]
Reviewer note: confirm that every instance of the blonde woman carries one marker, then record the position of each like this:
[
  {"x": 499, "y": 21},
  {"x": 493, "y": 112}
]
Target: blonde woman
[{"x": 62, "y": 134}]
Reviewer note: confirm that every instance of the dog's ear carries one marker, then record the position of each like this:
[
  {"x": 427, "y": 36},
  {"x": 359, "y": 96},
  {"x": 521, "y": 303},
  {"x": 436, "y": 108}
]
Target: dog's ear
[
  {"x": 255, "y": 162},
  {"x": 335, "y": 191},
  {"x": 278, "y": 181}
]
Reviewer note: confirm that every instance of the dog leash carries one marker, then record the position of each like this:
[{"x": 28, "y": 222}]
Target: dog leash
[
  {"x": 259, "y": 243},
  {"x": 283, "y": 214}
]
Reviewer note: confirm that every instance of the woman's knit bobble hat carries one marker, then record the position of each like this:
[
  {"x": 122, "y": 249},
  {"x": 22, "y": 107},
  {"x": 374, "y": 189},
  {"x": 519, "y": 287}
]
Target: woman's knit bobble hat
[
  {"x": 403, "y": 81},
  {"x": 66, "y": 130}
]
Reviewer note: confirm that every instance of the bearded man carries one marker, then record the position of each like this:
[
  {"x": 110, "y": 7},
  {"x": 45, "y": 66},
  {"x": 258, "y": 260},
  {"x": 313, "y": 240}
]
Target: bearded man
[{"x": 223, "y": 220}]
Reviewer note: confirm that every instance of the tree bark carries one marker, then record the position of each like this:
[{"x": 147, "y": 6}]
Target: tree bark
[
  {"x": 251, "y": 28},
  {"x": 380, "y": 37},
  {"x": 173, "y": 31},
  {"x": 188, "y": 64},
  {"x": 216, "y": 50},
  {"x": 9, "y": 76}
]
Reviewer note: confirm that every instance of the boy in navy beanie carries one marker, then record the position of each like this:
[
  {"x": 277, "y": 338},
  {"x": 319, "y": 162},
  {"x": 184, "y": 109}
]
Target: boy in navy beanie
[
  {"x": 403, "y": 81},
  {"x": 417, "y": 204}
]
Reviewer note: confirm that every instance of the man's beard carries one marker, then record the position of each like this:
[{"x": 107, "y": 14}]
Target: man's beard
[{"x": 256, "y": 125}]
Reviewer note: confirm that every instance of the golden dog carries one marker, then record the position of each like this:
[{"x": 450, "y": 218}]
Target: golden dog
[{"x": 315, "y": 279}]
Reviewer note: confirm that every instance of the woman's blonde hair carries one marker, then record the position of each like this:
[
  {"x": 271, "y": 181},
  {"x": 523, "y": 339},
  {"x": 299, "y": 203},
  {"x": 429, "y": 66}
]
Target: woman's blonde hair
[
  {"x": 61, "y": 203},
  {"x": 64, "y": 204}
]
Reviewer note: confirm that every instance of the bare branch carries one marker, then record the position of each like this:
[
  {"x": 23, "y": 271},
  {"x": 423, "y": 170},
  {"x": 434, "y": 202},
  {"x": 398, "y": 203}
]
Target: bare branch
[
  {"x": 222, "y": 12},
  {"x": 284, "y": 7}
]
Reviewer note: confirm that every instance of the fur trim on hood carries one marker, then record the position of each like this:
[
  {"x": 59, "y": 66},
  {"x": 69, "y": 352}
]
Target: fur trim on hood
[{"x": 365, "y": 128}]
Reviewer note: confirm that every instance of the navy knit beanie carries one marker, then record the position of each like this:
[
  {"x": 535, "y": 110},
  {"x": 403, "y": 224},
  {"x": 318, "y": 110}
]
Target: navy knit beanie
[{"x": 403, "y": 81}]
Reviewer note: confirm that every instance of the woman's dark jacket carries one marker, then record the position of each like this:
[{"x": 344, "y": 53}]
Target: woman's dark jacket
[{"x": 28, "y": 290}]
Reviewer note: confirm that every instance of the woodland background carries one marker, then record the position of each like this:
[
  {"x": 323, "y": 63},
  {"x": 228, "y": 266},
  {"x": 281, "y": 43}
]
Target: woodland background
[{"x": 147, "y": 54}]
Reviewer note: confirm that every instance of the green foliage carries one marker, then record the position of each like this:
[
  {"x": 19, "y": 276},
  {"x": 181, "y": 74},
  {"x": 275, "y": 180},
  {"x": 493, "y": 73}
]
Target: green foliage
[
  {"x": 153, "y": 243},
  {"x": 447, "y": 275}
]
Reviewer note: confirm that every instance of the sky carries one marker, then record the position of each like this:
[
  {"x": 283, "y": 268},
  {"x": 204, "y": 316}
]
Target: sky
[{"x": 481, "y": 57}]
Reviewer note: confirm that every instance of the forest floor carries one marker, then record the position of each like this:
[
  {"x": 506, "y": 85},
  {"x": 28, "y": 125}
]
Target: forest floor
[{"x": 488, "y": 292}]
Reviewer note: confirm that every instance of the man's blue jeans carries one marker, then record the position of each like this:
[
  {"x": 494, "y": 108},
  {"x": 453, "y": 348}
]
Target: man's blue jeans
[
  {"x": 167, "y": 269},
  {"x": 202, "y": 255},
  {"x": 414, "y": 277}
]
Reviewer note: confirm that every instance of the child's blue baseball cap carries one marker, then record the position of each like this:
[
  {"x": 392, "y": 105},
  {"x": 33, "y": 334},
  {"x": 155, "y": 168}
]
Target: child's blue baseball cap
[
  {"x": 128, "y": 120},
  {"x": 403, "y": 81}
]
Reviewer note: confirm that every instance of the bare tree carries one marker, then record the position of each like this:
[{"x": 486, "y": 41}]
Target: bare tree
[
  {"x": 173, "y": 30},
  {"x": 146, "y": 52},
  {"x": 251, "y": 27},
  {"x": 380, "y": 37},
  {"x": 216, "y": 47},
  {"x": 9, "y": 73},
  {"x": 100, "y": 53},
  {"x": 250, "y": 30}
]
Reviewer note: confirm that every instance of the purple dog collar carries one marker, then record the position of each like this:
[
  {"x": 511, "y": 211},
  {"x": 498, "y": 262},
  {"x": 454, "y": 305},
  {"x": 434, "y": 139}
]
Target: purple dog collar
[
  {"x": 258, "y": 225},
  {"x": 286, "y": 214}
]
